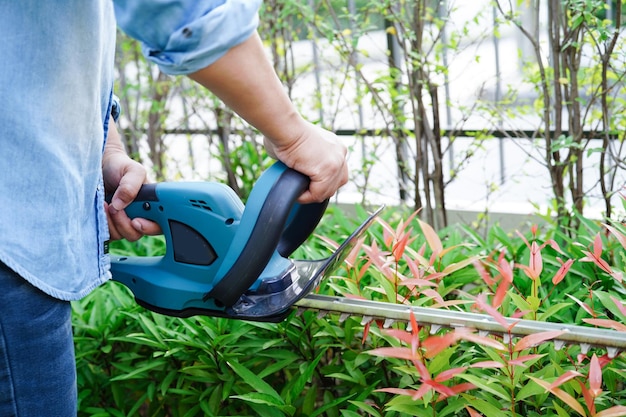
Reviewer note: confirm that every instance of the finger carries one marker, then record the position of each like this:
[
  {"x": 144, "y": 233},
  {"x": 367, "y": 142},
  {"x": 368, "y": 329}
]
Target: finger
[
  {"x": 128, "y": 187},
  {"x": 121, "y": 226},
  {"x": 146, "y": 227}
]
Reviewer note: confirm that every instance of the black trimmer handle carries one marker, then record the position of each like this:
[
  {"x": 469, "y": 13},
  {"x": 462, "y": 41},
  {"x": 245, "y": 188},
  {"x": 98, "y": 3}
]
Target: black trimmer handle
[{"x": 272, "y": 222}]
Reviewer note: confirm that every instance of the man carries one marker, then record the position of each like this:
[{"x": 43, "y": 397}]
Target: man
[{"x": 56, "y": 82}]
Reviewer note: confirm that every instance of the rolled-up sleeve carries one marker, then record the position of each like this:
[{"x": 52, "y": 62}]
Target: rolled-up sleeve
[{"x": 185, "y": 36}]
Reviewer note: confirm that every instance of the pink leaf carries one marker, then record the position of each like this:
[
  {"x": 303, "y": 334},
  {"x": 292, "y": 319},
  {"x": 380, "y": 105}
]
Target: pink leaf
[
  {"x": 583, "y": 305},
  {"x": 421, "y": 368},
  {"x": 597, "y": 245},
  {"x": 504, "y": 267},
  {"x": 595, "y": 377},
  {"x": 519, "y": 361},
  {"x": 478, "y": 265},
  {"x": 352, "y": 256},
  {"x": 466, "y": 334},
  {"x": 621, "y": 238},
  {"x": 482, "y": 304},
  {"x": 619, "y": 305},
  {"x": 401, "y": 335},
  {"x": 536, "y": 261},
  {"x": 616, "y": 411},
  {"x": 564, "y": 378},
  {"x": 562, "y": 395},
  {"x": 414, "y": 394},
  {"x": 457, "y": 389},
  {"x": 487, "y": 364},
  {"x": 431, "y": 237},
  {"x": 536, "y": 339},
  {"x": 611, "y": 324},
  {"x": 395, "y": 352},
  {"x": 560, "y": 274}
]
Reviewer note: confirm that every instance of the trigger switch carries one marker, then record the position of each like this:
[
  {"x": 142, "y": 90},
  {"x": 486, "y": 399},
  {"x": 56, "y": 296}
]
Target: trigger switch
[{"x": 190, "y": 247}]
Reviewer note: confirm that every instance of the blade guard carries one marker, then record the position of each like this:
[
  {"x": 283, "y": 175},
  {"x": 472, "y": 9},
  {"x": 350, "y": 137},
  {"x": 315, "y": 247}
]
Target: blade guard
[{"x": 217, "y": 249}]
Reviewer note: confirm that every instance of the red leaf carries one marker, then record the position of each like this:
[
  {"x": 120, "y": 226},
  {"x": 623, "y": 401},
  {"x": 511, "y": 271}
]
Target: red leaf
[
  {"x": 595, "y": 377},
  {"x": 589, "y": 401},
  {"x": 440, "y": 388},
  {"x": 501, "y": 292},
  {"x": 457, "y": 389},
  {"x": 536, "y": 339},
  {"x": 449, "y": 374},
  {"x": 472, "y": 412},
  {"x": 434, "y": 345},
  {"x": 400, "y": 246},
  {"x": 366, "y": 331},
  {"x": 415, "y": 334}
]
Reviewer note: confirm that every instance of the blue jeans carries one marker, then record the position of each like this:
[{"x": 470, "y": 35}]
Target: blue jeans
[{"x": 37, "y": 364}]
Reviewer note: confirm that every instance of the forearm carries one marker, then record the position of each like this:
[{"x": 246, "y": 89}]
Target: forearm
[{"x": 246, "y": 82}]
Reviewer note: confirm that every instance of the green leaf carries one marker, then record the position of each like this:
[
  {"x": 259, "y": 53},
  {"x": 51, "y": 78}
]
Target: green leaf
[
  {"x": 296, "y": 390},
  {"x": 486, "y": 408},
  {"x": 552, "y": 310},
  {"x": 254, "y": 381},
  {"x": 365, "y": 407},
  {"x": 329, "y": 405},
  {"x": 487, "y": 384}
]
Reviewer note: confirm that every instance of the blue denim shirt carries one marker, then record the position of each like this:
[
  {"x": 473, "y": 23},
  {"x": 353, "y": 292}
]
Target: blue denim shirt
[{"x": 56, "y": 78}]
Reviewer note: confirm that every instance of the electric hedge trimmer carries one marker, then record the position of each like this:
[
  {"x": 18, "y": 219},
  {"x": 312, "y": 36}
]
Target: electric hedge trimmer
[{"x": 225, "y": 259}]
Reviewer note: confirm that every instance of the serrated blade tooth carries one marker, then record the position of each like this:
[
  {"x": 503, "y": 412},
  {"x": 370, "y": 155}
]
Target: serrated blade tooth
[
  {"x": 343, "y": 317},
  {"x": 321, "y": 314},
  {"x": 584, "y": 348},
  {"x": 300, "y": 311},
  {"x": 365, "y": 320},
  {"x": 483, "y": 333},
  {"x": 409, "y": 327},
  {"x": 558, "y": 344},
  {"x": 612, "y": 352},
  {"x": 388, "y": 323},
  {"x": 434, "y": 328},
  {"x": 506, "y": 338}
]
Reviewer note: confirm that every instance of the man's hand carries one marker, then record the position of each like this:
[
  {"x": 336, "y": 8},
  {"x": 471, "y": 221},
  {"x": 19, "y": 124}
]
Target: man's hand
[
  {"x": 318, "y": 154},
  {"x": 123, "y": 177}
]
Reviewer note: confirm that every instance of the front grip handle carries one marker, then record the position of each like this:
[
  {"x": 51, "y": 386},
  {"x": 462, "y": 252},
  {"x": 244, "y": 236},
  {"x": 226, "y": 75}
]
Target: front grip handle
[{"x": 280, "y": 224}]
